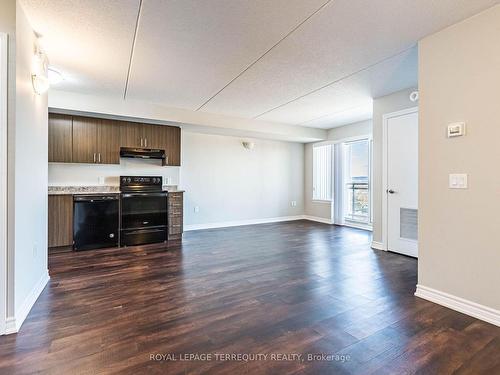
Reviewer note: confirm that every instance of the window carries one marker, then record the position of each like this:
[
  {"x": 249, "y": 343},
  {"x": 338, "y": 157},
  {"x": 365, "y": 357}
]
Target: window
[
  {"x": 356, "y": 192},
  {"x": 322, "y": 173}
]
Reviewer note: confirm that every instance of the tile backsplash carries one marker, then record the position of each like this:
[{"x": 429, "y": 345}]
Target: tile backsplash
[{"x": 68, "y": 174}]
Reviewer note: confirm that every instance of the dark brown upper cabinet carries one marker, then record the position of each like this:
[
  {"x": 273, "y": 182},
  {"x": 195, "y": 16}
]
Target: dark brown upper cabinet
[
  {"x": 131, "y": 134},
  {"x": 162, "y": 137},
  {"x": 96, "y": 141},
  {"x": 166, "y": 138},
  {"x": 78, "y": 139},
  {"x": 60, "y": 138},
  {"x": 108, "y": 142}
]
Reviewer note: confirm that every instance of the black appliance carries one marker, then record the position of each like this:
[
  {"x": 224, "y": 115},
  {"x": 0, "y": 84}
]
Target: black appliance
[
  {"x": 95, "y": 221},
  {"x": 143, "y": 153},
  {"x": 143, "y": 210}
]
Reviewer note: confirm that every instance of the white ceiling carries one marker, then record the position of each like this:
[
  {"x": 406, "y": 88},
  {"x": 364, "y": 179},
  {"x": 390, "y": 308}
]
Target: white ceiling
[{"x": 314, "y": 63}]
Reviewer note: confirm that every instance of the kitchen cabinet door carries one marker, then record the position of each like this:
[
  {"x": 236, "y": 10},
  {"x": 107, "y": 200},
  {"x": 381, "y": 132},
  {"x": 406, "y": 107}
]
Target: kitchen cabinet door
[
  {"x": 60, "y": 138},
  {"x": 60, "y": 220},
  {"x": 108, "y": 142},
  {"x": 85, "y": 139},
  {"x": 165, "y": 138},
  {"x": 153, "y": 136},
  {"x": 173, "y": 147},
  {"x": 131, "y": 134}
]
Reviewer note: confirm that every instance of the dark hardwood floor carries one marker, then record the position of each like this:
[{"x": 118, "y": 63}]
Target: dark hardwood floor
[{"x": 297, "y": 288}]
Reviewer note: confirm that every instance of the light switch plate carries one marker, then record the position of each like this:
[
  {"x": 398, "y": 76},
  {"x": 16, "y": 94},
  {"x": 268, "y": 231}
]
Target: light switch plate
[
  {"x": 456, "y": 129},
  {"x": 458, "y": 181}
]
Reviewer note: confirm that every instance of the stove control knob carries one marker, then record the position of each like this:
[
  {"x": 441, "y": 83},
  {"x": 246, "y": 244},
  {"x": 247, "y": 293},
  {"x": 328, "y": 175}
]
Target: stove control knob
[{"x": 129, "y": 180}]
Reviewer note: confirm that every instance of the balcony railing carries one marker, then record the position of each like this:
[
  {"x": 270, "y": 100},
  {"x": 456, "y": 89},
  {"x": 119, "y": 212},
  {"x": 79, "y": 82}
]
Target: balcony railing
[{"x": 358, "y": 202}]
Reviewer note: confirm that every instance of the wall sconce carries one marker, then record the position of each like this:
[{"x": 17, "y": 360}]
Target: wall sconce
[
  {"x": 39, "y": 72},
  {"x": 248, "y": 145}
]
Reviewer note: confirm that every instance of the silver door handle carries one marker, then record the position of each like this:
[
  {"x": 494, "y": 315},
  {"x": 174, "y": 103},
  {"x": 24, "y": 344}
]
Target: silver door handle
[
  {"x": 166, "y": 162},
  {"x": 99, "y": 157},
  {"x": 94, "y": 157},
  {"x": 145, "y": 142},
  {"x": 141, "y": 142}
]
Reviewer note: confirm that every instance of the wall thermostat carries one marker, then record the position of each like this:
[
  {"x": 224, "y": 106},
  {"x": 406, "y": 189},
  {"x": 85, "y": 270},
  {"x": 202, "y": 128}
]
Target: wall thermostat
[{"x": 456, "y": 129}]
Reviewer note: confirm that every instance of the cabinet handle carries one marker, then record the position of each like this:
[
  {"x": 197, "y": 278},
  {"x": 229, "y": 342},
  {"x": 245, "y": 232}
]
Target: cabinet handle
[
  {"x": 141, "y": 142},
  {"x": 145, "y": 142},
  {"x": 166, "y": 161},
  {"x": 94, "y": 157},
  {"x": 99, "y": 157}
]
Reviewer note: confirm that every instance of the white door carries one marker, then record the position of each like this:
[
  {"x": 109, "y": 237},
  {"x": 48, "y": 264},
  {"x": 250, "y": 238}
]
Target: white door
[{"x": 402, "y": 183}]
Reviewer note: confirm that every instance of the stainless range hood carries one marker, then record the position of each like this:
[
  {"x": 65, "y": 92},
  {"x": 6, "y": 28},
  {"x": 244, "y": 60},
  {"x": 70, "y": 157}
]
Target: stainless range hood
[{"x": 142, "y": 153}]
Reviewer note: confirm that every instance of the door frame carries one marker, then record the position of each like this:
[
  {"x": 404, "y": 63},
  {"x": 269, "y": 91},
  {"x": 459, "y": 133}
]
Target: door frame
[
  {"x": 3, "y": 179},
  {"x": 385, "y": 132}
]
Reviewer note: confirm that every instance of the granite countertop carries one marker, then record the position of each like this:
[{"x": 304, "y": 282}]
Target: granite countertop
[{"x": 101, "y": 189}]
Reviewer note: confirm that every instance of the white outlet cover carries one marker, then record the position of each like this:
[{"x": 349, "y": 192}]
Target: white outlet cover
[{"x": 458, "y": 181}]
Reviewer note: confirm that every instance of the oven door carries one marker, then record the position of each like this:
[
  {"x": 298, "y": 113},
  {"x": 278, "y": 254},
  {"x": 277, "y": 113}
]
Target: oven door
[{"x": 142, "y": 210}]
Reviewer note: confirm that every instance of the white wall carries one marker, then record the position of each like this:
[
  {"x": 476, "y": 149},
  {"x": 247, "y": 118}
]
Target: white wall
[
  {"x": 67, "y": 174},
  {"x": 323, "y": 210},
  {"x": 230, "y": 183},
  {"x": 27, "y": 181},
  {"x": 352, "y": 130},
  {"x": 386, "y": 104},
  {"x": 459, "y": 78}
]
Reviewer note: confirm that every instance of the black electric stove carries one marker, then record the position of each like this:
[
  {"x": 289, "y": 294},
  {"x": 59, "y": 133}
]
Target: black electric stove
[{"x": 143, "y": 210}]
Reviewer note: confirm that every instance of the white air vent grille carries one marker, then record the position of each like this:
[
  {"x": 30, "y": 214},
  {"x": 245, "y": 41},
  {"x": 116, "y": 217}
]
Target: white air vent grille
[{"x": 408, "y": 225}]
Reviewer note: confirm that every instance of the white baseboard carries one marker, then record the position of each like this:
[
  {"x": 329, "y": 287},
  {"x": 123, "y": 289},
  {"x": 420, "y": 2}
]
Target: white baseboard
[
  {"x": 226, "y": 224},
  {"x": 13, "y": 324},
  {"x": 318, "y": 219},
  {"x": 10, "y": 325},
  {"x": 237, "y": 223},
  {"x": 459, "y": 304},
  {"x": 377, "y": 245}
]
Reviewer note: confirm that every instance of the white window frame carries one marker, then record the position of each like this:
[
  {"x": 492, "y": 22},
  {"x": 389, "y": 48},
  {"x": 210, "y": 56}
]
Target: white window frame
[
  {"x": 329, "y": 177},
  {"x": 369, "y": 223}
]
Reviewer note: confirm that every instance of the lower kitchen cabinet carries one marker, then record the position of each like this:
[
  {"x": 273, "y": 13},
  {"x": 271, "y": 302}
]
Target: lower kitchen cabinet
[
  {"x": 175, "y": 215},
  {"x": 60, "y": 220}
]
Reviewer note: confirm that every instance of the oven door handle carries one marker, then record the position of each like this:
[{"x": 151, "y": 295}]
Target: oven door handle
[
  {"x": 143, "y": 231},
  {"x": 131, "y": 195}
]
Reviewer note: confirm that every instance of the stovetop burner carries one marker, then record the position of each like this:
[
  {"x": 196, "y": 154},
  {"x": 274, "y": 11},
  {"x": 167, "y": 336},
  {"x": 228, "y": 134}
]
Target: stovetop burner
[{"x": 140, "y": 183}]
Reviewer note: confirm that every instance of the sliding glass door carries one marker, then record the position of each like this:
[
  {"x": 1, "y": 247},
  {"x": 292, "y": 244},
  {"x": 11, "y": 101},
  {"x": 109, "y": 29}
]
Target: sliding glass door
[{"x": 357, "y": 182}]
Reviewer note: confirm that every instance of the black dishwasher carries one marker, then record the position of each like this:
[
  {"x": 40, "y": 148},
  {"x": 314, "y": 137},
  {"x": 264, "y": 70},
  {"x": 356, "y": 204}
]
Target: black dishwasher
[{"x": 95, "y": 221}]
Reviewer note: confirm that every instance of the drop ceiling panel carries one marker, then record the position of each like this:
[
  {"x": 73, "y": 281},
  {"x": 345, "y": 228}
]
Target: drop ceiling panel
[
  {"x": 186, "y": 51},
  {"x": 89, "y": 41},
  {"x": 350, "y": 94},
  {"x": 349, "y": 116},
  {"x": 343, "y": 38}
]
